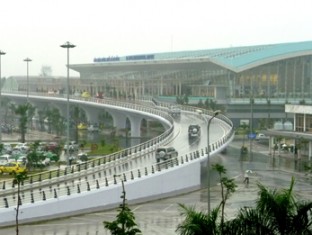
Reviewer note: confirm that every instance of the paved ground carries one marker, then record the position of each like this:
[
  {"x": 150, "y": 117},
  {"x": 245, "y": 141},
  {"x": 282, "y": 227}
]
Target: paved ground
[{"x": 163, "y": 216}]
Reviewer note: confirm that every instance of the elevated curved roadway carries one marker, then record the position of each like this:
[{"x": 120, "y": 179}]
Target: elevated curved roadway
[{"x": 96, "y": 184}]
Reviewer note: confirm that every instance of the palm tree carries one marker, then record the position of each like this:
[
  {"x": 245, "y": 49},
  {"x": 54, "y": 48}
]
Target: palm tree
[
  {"x": 22, "y": 111},
  {"x": 276, "y": 212},
  {"x": 198, "y": 223}
]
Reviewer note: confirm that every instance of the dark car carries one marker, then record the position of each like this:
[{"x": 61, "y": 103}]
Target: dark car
[
  {"x": 165, "y": 153},
  {"x": 193, "y": 131}
]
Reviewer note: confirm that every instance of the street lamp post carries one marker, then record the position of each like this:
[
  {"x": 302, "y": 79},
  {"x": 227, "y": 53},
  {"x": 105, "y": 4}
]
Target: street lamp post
[
  {"x": 1, "y": 54},
  {"x": 67, "y": 45},
  {"x": 27, "y": 60},
  {"x": 215, "y": 113}
]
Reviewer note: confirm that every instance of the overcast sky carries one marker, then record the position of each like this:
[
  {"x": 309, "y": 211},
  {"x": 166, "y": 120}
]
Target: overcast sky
[{"x": 100, "y": 28}]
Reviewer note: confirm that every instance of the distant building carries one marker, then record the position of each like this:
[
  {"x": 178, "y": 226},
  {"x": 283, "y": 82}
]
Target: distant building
[
  {"x": 269, "y": 75},
  {"x": 301, "y": 132},
  {"x": 253, "y": 83}
]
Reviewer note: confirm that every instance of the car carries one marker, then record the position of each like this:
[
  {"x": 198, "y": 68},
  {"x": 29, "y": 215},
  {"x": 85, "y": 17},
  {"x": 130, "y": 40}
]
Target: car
[
  {"x": 93, "y": 128},
  {"x": 261, "y": 136},
  {"x": 6, "y": 148},
  {"x": 51, "y": 157},
  {"x": 12, "y": 168},
  {"x": 194, "y": 131},
  {"x": 52, "y": 146},
  {"x": 82, "y": 157},
  {"x": 175, "y": 111},
  {"x": 4, "y": 159},
  {"x": 165, "y": 153},
  {"x": 85, "y": 94},
  {"x": 22, "y": 146},
  {"x": 82, "y": 126}
]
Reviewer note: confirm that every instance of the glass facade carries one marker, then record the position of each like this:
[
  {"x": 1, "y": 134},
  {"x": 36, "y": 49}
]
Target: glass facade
[{"x": 283, "y": 79}]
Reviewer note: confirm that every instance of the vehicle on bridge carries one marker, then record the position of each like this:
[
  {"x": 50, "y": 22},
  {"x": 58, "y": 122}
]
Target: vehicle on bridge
[
  {"x": 175, "y": 111},
  {"x": 85, "y": 94},
  {"x": 194, "y": 132},
  {"x": 166, "y": 153}
]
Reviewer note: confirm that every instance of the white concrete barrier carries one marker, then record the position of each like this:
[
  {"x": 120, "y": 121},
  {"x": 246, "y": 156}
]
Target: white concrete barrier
[{"x": 183, "y": 178}]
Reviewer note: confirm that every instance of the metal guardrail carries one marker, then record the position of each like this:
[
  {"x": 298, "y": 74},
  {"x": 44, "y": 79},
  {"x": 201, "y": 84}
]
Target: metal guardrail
[{"x": 131, "y": 163}]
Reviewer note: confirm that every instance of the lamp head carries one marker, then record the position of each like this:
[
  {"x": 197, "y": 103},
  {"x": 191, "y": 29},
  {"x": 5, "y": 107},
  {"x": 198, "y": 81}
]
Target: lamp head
[
  {"x": 67, "y": 45},
  {"x": 216, "y": 112},
  {"x": 27, "y": 60}
]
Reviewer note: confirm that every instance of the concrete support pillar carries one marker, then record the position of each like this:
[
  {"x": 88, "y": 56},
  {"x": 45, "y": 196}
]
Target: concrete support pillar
[
  {"x": 135, "y": 126},
  {"x": 119, "y": 120},
  {"x": 93, "y": 114}
]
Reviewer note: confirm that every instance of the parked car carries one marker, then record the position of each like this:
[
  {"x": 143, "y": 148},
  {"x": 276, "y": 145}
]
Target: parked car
[
  {"x": 165, "y": 153},
  {"x": 82, "y": 157},
  {"x": 93, "y": 128},
  {"x": 50, "y": 156},
  {"x": 52, "y": 146},
  {"x": 13, "y": 167},
  {"x": 22, "y": 146},
  {"x": 6, "y": 148},
  {"x": 261, "y": 136},
  {"x": 82, "y": 126},
  {"x": 4, "y": 159}
]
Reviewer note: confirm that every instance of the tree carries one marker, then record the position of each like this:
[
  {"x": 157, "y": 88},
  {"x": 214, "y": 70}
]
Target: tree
[
  {"x": 197, "y": 223},
  {"x": 5, "y": 104},
  {"x": 78, "y": 116},
  {"x": 200, "y": 103},
  {"x": 55, "y": 121},
  {"x": 41, "y": 116},
  {"x": 46, "y": 71},
  {"x": 227, "y": 188},
  {"x": 125, "y": 223},
  {"x": 276, "y": 212},
  {"x": 35, "y": 157},
  {"x": 18, "y": 179},
  {"x": 22, "y": 111}
]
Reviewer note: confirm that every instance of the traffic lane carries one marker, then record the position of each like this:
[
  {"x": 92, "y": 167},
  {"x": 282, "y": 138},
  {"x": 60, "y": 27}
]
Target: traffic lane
[{"x": 181, "y": 141}]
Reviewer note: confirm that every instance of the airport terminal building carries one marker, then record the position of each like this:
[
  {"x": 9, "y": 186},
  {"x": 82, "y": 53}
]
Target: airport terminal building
[
  {"x": 262, "y": 78},
  {"x": 251, "y": 82}
]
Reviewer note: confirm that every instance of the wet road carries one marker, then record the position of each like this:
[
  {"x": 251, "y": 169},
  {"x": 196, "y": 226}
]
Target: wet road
[{"x": 163, "y": 216}]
